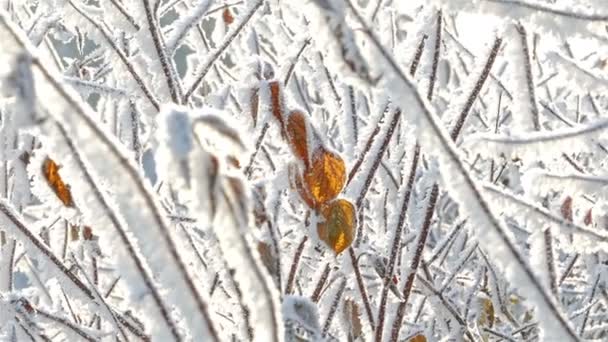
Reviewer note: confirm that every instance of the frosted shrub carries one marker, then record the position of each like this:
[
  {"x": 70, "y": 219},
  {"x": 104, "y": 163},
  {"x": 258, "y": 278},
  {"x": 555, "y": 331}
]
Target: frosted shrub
[{"x": 323, "y": 170}]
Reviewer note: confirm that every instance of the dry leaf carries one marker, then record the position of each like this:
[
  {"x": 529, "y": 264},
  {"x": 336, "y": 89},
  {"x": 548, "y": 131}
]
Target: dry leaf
[
  {"x": 353, "y": 317},
  {"x": 74, "y": 230},
  {"x": 87, "y": 233},
  {"x": 338, "y": 230},
  {"x": 418, "y": 338},
  {"x": 326, "y": 176},
  {"x": 297, "y": 135},
  {"x": 50, "y": 169},
  {"x": 487, "y": 315},
  {"x": 296, "y": 182},
  {"x": 268, "y": 257},
  {"x": 277, "y": 102},
  {"x": 566, "y": 209},
  {"x": 227, "y": 16},
  {"x": 588, "y": 217}
]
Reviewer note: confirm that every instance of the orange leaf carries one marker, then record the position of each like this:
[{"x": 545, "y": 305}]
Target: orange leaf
[
  {"x": 326, "y": 176},
  {"x": 295, "y": 180},
  {"x": 418, "y": 338},
  {"x": 62, "y": 190},
  {"x": 338, "y": 230},
  {"x": 277, "y": 102},
  {"x": 297, "y": 135}
]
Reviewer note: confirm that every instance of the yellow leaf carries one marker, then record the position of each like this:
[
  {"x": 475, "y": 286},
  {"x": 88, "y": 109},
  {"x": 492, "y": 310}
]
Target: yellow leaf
[
  {"x": 338, "y": 230},
  {"x": 50, "y": 170},
  {"x": 326, "y": 176}
]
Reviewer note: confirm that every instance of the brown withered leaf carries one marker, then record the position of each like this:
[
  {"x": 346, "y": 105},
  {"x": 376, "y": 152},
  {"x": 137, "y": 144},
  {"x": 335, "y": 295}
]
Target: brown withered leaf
[
  {"x": 297, "y": 135},
  {"x": 277, "y": 102},
  {"x": 268, "y": 257},
  {"x": 588, "y": 217},
  {"x": 566, "y": 209},
  {"x": 50, "y": 170},
  {"x": 227, "y": 16},
  {"x": 296, "y": 182},
  {"x": 352, "y": 315},
  {"x": 74, "y": 232},
  {"x": 338, "y": 230},
  {"x": 87, "y": 233},
  {"x": 326, "y": 176},
  {"x": 487, "y": 316},
  {"x": 213, "y": 177}
]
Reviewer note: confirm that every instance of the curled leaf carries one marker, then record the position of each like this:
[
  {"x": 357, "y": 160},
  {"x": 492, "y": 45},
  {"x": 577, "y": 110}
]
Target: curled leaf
[
  {"x": 277, "y": 102},
  {"x": 326, "y": 176},
  {"x": 338, "y": 230},
  {"x": 50, "y": 170},
  {"x": 297, "y": 135},
  {"x": 227, "y": 16},
  {"x": 588, "y": 217},
  {"x": 566, "y": 209},
  {"x": 297, "y": 183},
  {"x": 487, "y": 315},
  {"x": 87, "y": 233}
]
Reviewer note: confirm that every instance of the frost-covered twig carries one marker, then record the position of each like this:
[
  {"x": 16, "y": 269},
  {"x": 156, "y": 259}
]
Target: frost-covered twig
[
  {"x": 409, "y": 186},
  {"x": 531, "y": 143},
  {"x": 186, "y": 23},
  {"x": 128, "y": 65},
  {"x": 121, "y": 8},
  {"x": 166, "y": 63},
  {"x": 112, "y": 212},
  {"x": 581, "y": 15},
  {"x": 529, "y": 77},
  {"x": 18, "y": 229},
  {"x": 469, "y": 194},
  {"x": 213, "y": 56}
]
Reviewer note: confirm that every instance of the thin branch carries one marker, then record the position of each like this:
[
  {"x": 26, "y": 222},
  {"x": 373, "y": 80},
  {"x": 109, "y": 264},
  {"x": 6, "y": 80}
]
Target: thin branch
[
  {"x": 529, "y": 76},
  {"x": 220, "y": 50},
  {"x": 294, "y": 266},
  {"x": 476, "y": 203},
  {"x": 130, "y": 67},
  {"x": 167, "y": 64}
]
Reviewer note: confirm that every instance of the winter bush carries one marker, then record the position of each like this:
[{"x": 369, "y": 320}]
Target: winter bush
[{"x": 323, "y": 170}]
